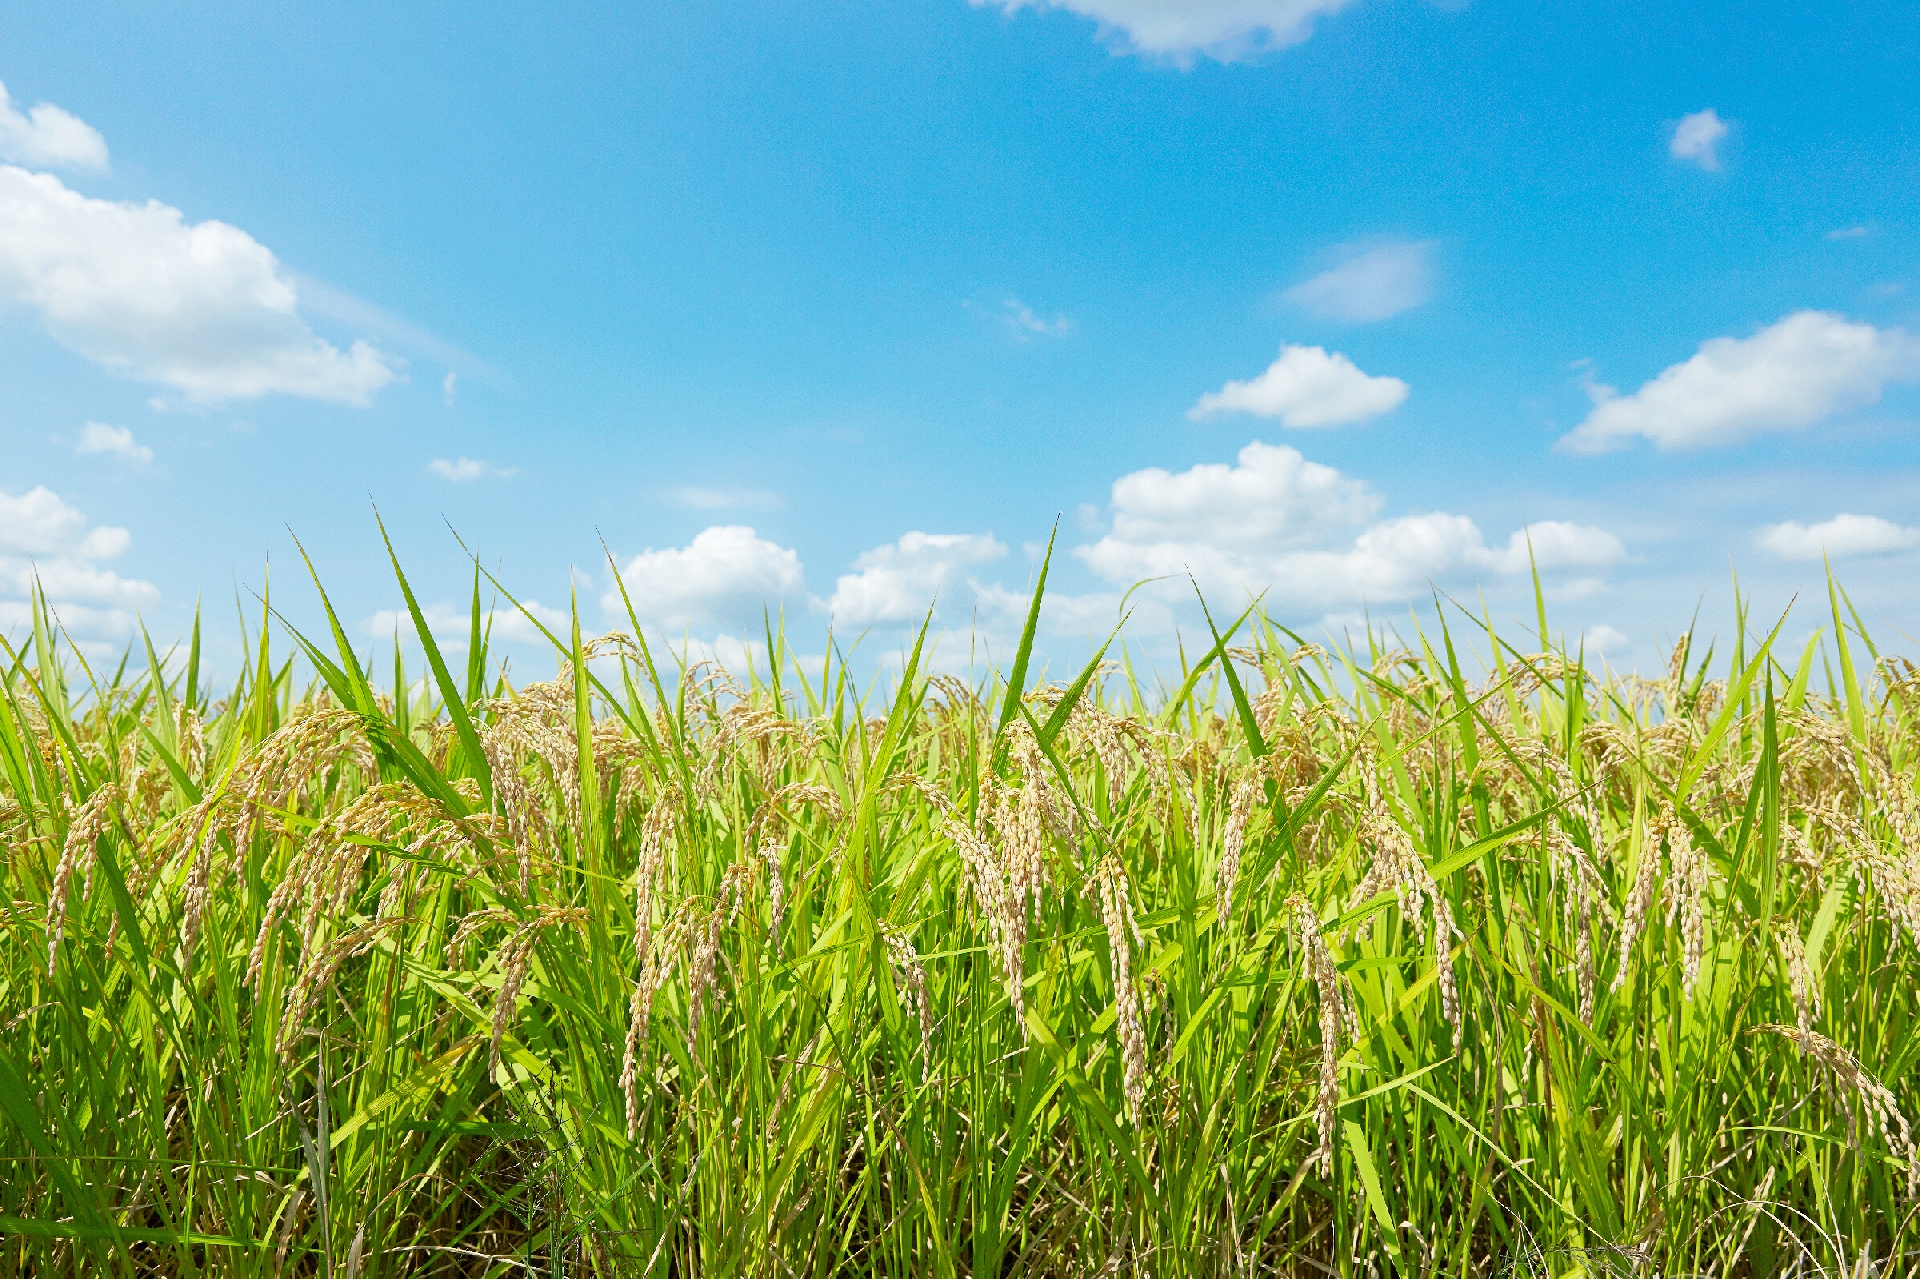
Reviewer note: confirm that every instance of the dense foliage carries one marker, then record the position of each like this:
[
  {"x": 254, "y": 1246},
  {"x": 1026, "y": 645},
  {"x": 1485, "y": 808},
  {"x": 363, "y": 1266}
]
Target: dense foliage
[{"x": 1309, "y": 962}]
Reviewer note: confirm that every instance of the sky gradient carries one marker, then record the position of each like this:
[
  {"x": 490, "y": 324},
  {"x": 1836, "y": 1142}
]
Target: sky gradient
[{"x": 837, "y": 309}]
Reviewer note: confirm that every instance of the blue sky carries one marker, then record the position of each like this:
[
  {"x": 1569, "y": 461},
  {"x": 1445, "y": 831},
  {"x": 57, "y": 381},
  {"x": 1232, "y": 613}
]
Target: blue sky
[{"x": 1340, "y": 301}]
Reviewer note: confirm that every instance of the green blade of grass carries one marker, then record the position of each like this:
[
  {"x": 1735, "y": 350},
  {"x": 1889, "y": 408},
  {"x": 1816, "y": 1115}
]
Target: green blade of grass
[
  {"x": 472, "y": 760},
  {"x": 1071, "y": 698},
  {"x": 1370, "y": 1181},
  {"x": 1017, "y": 677},
  {"x": 1249, "y": 722}
]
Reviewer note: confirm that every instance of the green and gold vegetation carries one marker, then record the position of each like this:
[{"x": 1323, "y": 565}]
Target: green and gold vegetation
[{"x": 1297, "y": 962}]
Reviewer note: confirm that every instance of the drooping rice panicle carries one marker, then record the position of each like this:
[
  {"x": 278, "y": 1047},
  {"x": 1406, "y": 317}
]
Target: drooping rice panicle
[{"x": 1307, "y": 977}]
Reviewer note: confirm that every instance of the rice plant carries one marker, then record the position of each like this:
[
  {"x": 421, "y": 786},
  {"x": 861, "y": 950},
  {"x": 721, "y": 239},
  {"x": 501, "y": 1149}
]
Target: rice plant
[{"x": 1295, "y": 960}]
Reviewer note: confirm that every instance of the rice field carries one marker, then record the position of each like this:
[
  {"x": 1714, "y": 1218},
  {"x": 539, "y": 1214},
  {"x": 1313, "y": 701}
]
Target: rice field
[{"x": 1443, "y": 953}]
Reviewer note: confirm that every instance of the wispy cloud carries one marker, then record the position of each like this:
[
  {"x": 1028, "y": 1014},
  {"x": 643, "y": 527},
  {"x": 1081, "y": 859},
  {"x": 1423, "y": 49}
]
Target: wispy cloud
[
  {"x": 449, "y": 387},
  {"x": 1021, "y": 319},
  {"x": 699, "y": 498},
  {"x": 463, "y": 469},
  {"x": 1022, "y": 322},
  {"x": 1847, "y": 233},
  {"x": 1370, "y": 283},
  {"x": 321, "y": 298}
]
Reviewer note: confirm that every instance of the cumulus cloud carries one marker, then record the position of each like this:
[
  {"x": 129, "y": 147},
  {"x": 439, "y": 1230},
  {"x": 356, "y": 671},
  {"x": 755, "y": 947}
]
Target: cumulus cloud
[
  {"x": 730, "y": 652},
  {"x": 896, "y": 582},
  {"x": 1371, "y": 283},
  {"x": 1795, "y": 372},
  {"x": 1555, "y": 544},
  {"x": 1841, "y": 537},
  {"x": 49, "y": 137},
  {"x": 464, "y": 469},
  {"x": 725, "y": 576},
  {"x": 1307, "y": 387},
  {"x": 1696, "y": 137},
  {"x": 1603, "y": 638},
  {"x": 43, "y": 539},
  {"x": 1226, "y": 30},
  {"x": 38, "y": 523},
  {"x": 96, "y": 632},
  {"x": 1003, "y": 613},
  {"x": 116, "y": 442},
  {"x": 1306, "y": 534},
  {"x": 203, "y": 307},
  {"x": 1273, "y": 497}
]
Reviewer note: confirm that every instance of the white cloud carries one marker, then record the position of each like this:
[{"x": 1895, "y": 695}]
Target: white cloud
[
  {"x": 80, "y": 621},
  {"x": 464, "y": 469},
  {"x": 1574, "y": 589},
  {"x": 50, "y": 137},
  {"x": 1307, "y": 387},
  {"x": 1841, "y": 537},
  {"x": 318, "y": 298},
  {"x": 449, "y": 387},
  {"x": 1696, "y": 137},
  {"x": 1274, "y": 497},
  {"x": 726, "y": 575},
  {"x": 203, "y": 308},
  {"x": 116, "y": 442},
  {"x": 44, "y": 540},
  {"x": 451, "y": 626},
  {"x": 1554, "y": 544},
  {"x": 895, "y": 583},
  {"x": 1226, "y": 30},
  {"x": 1847, "y": 233},
  {"x": 1603, "y": 638},
  {"x": 38, "y": 523},
  {"x": 1002, "y": 613},
  {"x": 1371, "y": 284},
  {"x": 1021, "y": 319},
  {"x": 730, "y": 652},
  {"x": 66, "y": 579},
  {"x": 1301, "y": 531},
  {"x": 1791, "y": 374},
  {"x": 701, "y": 498}
]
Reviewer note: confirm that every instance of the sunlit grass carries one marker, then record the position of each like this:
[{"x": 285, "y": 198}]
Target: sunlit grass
[{"x": 1297, "y": 962}]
